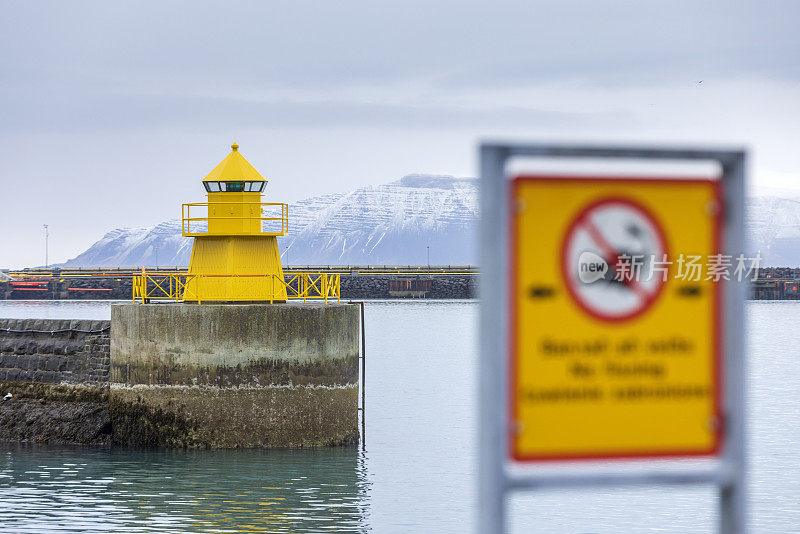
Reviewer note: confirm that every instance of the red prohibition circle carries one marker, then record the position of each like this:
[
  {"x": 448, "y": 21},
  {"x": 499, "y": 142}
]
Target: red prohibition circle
[{"x": 578, "y": 221}]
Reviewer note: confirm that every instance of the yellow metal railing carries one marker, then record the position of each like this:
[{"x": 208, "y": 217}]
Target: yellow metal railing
[
  {"x": 221, "y": 217},
  {"x": 157, "y": 286}
]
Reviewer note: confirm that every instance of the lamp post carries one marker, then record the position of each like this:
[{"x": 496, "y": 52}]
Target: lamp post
[
  {"x": 429, "y": 261},
  {"x": 46, "y": 238}
]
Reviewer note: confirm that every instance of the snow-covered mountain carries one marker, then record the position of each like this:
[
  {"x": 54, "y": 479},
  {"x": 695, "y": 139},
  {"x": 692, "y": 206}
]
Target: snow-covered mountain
[
  {"x": 378, "y": 225},
  {"x": 772, "y": 225},
  {"x": 396, "y": 222}
]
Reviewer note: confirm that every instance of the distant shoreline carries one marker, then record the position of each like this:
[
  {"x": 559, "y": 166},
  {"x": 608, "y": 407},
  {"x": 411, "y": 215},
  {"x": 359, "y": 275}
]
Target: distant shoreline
[{"x": 440, "y": 282}]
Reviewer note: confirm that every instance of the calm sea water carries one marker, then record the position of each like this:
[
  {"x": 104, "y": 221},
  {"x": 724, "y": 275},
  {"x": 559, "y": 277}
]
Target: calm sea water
[{"x": 417, "y": 473}]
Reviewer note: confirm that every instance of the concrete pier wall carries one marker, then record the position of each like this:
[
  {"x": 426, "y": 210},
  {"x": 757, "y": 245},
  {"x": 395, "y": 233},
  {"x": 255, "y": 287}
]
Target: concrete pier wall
[
  {"x": 235, "y": 375},
  {"x": 235, "y": 345}
]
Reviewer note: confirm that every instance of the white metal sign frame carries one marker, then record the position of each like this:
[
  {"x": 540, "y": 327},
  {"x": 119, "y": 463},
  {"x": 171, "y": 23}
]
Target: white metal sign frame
[{"x": 496, "y": 480}]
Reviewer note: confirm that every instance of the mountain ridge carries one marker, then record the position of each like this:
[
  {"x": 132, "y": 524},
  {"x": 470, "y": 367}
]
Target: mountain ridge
[
  {"x": 399, "y": 223},
  {"x": 392, "y": 223}
]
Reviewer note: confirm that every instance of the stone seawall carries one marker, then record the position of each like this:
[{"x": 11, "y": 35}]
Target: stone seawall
[
  {"x": 377, "y": 286},
  {"x": 54, "y": 381},
  {"x": 54, "y": 351}
]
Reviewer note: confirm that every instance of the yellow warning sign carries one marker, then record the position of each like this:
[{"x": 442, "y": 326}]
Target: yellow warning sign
[{"x": 615, "y": 317}]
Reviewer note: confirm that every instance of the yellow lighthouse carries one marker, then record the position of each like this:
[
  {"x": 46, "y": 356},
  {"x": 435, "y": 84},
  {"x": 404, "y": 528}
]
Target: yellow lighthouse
[{"x": 235, "y": 254}]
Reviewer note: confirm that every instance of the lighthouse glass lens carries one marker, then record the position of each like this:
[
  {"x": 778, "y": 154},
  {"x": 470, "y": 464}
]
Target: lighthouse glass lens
[
  {"x": 211, "y": 187},
  {"x": 234, "y": 187}
]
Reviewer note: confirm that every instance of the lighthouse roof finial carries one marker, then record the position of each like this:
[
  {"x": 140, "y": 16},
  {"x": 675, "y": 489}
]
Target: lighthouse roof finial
[{"x": 235, "y": 146}]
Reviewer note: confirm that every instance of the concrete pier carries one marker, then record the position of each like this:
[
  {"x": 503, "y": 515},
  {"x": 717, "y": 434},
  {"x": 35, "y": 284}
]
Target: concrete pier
[{"x": 225, "y": 376}]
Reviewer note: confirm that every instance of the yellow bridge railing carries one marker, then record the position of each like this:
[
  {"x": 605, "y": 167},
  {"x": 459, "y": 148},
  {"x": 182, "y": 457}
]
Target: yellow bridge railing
[{"x": 155, "y": 286}]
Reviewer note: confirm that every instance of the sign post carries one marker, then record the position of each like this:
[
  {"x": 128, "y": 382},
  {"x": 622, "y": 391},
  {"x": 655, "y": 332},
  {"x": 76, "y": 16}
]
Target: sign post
[{"x": 619, "y": 332}]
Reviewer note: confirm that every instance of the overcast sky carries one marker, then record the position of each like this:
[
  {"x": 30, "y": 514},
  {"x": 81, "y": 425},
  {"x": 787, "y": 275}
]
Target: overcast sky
[{"x": 112, "y": 112}]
